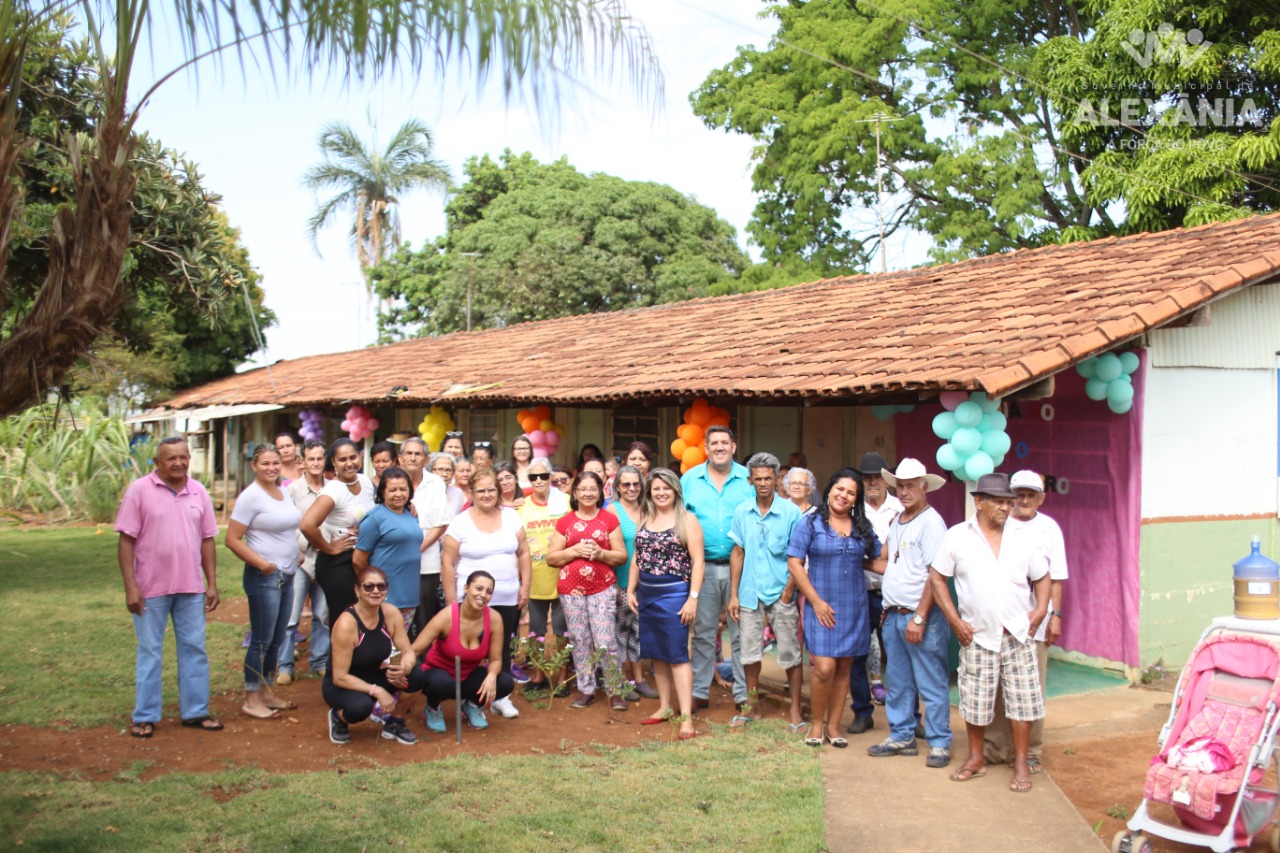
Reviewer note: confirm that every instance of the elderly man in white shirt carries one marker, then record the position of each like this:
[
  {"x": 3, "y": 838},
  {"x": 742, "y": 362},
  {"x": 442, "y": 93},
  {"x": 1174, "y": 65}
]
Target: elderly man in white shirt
[
  {"x": 1028, "y": 496},
  {"x": 992, "y": 564}
]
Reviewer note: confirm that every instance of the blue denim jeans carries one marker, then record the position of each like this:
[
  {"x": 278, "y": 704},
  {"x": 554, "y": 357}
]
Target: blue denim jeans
[
  {"x": 712, "y": 598},
  {"x": 187, "y": 612},
  {"x": 270, "y": 602},
  {"x": 859, "y": 683},
  {"x": 918, "y": 669},
  {"x": 302, "y": 585}
]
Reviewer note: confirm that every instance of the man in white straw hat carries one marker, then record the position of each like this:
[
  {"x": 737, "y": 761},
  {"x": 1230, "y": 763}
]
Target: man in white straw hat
[
  {"x": 1028, "y": 495},
  {"x": 915, "y": 632},
  {"x": 992, "y": 564}
]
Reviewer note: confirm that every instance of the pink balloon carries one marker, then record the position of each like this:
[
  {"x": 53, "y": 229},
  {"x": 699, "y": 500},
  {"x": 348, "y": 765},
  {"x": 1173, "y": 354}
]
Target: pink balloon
[
  {"x": 553, "y": 440},
  {"x": 951, "y": 399},
  {"x": 536, "y": 437},
  {"x": 372, "y": 424}
]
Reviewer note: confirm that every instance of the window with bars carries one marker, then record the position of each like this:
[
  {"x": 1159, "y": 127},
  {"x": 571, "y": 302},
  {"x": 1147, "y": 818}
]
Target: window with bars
[
  {"x": 485, "y": 425},
  {"x": 634, "y": 423}
]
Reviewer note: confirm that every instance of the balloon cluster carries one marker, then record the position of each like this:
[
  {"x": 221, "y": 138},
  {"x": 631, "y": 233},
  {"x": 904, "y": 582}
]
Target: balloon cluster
[
  {"x": 437, "y": 422},
  {"x": 312, "y": 428},
  {"x": 543, "y": 433},
  {"x": 688, "y": 448},
  {"x": 1110, "y": 377},
  {"x": 360, "y": 423},
  {"x": 883, "y": 413},
  {"x": 973, "y": 427}
]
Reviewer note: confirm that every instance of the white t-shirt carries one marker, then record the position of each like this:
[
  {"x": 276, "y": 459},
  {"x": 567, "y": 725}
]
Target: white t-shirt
[
  {"x": 992, "y": 591},
  {"x": 880, "y": 519},
  {"x": 495, "y": 553},
  {"x": 303, "y": 497},
  {"x": 1055, "y": 547},
  {"x": 455, "y": 499},
  {"x": 910, "y": 549},
  {"x": 432, "y": 503},
  {"x": 271, "y": 526},
  {"x": 348, "y": 509}
]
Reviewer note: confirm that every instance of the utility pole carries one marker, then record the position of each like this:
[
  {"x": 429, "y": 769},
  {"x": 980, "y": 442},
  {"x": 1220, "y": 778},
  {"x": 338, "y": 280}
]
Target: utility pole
[
  {"x": 471, "y": 268},
  {"x": 878, "y": 118}
]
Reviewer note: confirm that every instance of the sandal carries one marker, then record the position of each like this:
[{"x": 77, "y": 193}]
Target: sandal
[
  {"x": 263, "y": 713},
  {"x": 739, "y": 720},
  {"x": 964, "y": 774},
  {"x": 815, "y": 742},
  {"x": 1020, "y": 786},
  {"x": 208, "y": 724},
  {"x": 142, "y": 730},
  {"x": 658, "y": 718},
  {"x": 797, "y": 728},
  {"x": 1034, "y": 765}
]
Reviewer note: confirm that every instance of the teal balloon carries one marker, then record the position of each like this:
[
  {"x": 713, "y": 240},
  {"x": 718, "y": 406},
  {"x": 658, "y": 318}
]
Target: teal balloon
[
  {"x": 947, "y": 458},
  {"x": 998, "y": 461},
  {"x": 981, "y": 398},
  {"x": 966, "y": 440},
  {"x": 1108, "y": 367},
  {"x": 1096, "y": 389},
  {"x": 910, "y": 407},
  {"x": 883, "y": 413},
  {"x": 1129, "y": 362},
  {"x": 996, "y": 443},
  {"x": 944, "y": 425},
  {"x": 968, "y": 414},
  {"x": 1120, "y": 408},
  {"x": 1086, "y": 367},
  {"x": 977, "y": 465},
  {"x": 1119, "y": 392},
  {"x": 998, "y": 422}
]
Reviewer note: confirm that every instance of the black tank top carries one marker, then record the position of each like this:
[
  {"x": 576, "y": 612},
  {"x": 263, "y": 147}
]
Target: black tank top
[{"x": 373, "y": 645}]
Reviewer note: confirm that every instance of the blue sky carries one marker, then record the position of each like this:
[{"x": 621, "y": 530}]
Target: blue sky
[{"x": 253, "y": 137}]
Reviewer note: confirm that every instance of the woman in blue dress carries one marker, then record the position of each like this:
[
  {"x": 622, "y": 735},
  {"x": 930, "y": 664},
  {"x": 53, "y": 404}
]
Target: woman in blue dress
[{"x": 839, "y": 543}]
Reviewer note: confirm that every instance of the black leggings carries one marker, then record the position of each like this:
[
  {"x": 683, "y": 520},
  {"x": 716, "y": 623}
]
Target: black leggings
[
  {"x": 337, "y": 578},
  {"x": 428, "y": 602},
  {"x": 354, "y": 706},
  {"x": 439, "y": 685},
  {"x": 510, "y": 614}
]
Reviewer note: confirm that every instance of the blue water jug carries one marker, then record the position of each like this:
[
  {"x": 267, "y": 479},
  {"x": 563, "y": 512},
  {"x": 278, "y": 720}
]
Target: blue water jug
[{"x": 1257, "y": 585}]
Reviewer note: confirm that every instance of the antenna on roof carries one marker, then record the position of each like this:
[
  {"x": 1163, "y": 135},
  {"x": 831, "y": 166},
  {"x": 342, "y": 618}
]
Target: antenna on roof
[{"x": 878, "y": 118}]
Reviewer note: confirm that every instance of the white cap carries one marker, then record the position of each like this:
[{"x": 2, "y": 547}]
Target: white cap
[{"x": 1027, "y": 480}]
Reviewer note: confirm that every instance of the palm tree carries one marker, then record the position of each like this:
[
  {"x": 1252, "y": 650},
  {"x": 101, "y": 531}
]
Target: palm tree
[
  {"x": 527, "y": 43},
  {"x": 369, "y": 182}
]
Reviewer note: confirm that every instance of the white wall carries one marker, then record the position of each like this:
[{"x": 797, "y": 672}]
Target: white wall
[{"x": 1209, "y": 442}]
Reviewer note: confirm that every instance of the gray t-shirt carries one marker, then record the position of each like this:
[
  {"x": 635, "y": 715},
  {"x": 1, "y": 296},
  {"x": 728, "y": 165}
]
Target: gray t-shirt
[
  {"x": 271, "y": 526},
  {"x": 910, "y": 549}
]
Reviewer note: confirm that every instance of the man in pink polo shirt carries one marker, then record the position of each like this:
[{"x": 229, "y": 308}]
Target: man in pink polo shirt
[{"x": 169, "y": 565}]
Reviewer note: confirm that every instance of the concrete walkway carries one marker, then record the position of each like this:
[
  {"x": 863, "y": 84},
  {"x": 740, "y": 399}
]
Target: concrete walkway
[{"x": 897, "y": 805}]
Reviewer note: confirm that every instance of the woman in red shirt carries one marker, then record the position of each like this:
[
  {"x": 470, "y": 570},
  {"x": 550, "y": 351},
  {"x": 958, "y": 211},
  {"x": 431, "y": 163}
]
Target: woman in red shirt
[
  {"x": 586, "y": 546},
  {"x": 471, "y": 631}
]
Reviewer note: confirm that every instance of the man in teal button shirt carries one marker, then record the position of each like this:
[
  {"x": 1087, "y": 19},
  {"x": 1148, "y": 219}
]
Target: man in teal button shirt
[{"x": 712, "y": 491}]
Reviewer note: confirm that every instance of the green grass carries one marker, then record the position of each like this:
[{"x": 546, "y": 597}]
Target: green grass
[
  {"x": 65, "y": 624},
  {"x": 68, "y": 639}
]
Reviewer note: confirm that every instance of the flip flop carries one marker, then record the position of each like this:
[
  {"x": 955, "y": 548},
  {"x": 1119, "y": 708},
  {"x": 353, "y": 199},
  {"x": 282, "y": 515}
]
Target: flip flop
[
  {"x": 142, "y": 730},
  {"x": 208, "y": 724},
  {"x": 1034, "y": 765},
  {"x": 797, "y": 728},
  {"x": 815, "y": 742},
  {"x": 1020, "y": 786},
  {"x": 964, "y": 774},
  {"x": 739, "y": 721}
]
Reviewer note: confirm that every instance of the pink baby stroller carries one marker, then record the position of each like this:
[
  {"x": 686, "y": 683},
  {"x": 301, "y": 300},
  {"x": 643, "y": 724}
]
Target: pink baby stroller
[{"x": 1217, "y": 745}]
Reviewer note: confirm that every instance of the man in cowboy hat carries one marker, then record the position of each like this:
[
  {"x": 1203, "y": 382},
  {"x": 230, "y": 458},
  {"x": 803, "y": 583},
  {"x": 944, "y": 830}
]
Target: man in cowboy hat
[
  {"x": 915, "y": 632},
  {"x": 880, "y": 508},
  {"x": 992, "y": 565},
  {"x": 1028, "y": 495}
]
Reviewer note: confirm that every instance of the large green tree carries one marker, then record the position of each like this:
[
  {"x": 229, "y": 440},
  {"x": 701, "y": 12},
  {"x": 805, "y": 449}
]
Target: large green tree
[
  {"x": 982, "y": 154},
  {"x": 82, "y": 291},
  {"x": 165, "y": 334},
  {"x": 532, "y": 241},
  {"x": 367, "y": 183}
]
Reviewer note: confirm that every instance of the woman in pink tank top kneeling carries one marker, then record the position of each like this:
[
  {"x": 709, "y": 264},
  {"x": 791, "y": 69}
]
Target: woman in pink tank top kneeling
[{"x": 469, "y": 631}]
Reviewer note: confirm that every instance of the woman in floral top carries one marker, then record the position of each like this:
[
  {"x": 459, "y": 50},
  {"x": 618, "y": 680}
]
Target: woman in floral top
[
  {"x": 663, "y": 586},
  {"x": 586, "y": 546}
]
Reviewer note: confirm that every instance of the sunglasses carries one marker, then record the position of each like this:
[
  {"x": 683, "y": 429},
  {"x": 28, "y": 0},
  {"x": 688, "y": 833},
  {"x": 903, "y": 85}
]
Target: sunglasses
[
  {"x": 453, "y": 433},
  {"x": 533, "y": 477},
  {"x": 560, "y": 482},
  {"x": 374, "y": 587},
  {"x": 487, "y": 445},
  {"x": 628, "y": 485}
]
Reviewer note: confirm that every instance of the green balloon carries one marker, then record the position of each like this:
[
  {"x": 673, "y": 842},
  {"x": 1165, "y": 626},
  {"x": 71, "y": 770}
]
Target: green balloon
[
  {"x": 1129, "y": 362},
  {"x": 1120, "y": 408},
  {"x": 1096, "y": 389},
  {"x": 1108, "y": 367},
  {"x": 966, "y": 441},
  {"x": 944, "y": 425},
  {"x": 1086, "y": 367},
  {"x": 996, "y": 443},
  {"x": 948, "y": 459},
  {"x": 968, "y": 414},
  {"x": 1119, "y": 391}
]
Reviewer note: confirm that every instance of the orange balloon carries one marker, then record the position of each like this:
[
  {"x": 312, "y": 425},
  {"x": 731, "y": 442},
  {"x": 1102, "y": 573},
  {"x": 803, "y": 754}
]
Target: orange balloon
[
  {"x": 678, "y": 448},
  {"x": 529, "y": 424},
  {"x": 684, "y": 469},
  {"x": 693, "y": 456},
  {"x": 717, "y": 412},
  {"x": 702, "y": 416},
  {"x": 522, "y": 414},
  {"x": 719, "y": 420},
  {"x": 701, "y": 403},
  {"x": 693, "y": 435},
  {"x": 543, "y": 412}
]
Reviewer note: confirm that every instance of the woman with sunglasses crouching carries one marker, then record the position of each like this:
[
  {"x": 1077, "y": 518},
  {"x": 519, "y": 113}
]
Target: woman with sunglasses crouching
[
  {"x": 370, "y": 658},
  {"x": 463, "y": 635}
]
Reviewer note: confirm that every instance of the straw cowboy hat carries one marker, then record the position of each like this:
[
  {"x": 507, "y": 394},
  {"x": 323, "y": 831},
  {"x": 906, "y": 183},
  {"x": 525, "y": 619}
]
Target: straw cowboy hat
[{"x": 912, "y": 469}]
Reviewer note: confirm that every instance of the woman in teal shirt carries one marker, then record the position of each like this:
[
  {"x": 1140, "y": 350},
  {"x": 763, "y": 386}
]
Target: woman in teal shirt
[{"x": 391, "y": 539}]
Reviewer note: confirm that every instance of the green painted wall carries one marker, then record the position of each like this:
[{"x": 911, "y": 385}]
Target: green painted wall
[
  {"x": 1186, "y": 580},
  {"x": 773, "y": 429}
]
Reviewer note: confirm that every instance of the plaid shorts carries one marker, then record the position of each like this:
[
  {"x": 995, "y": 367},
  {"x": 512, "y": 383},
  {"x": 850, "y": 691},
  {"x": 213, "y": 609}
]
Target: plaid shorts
[{"x": 1014, "y": 668}]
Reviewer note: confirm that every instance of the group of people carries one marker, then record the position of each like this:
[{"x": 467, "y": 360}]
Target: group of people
[{"x": 419, "y": 579}]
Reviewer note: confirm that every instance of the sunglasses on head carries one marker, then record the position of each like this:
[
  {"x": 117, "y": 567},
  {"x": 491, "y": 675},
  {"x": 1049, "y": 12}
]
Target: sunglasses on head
[
  {"x": 539, "y": 477},
  {"x": 374, "y": 587},
  {"x": 485, "y": 444},
  {"x": 453, "y": 433}
]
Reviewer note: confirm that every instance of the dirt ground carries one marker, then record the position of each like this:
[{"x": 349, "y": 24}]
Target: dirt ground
[{"x": 1100, "y": 767}]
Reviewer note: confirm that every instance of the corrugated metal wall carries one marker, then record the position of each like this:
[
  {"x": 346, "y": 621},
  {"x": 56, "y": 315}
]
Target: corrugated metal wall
[{"x": 1243, "y": 334}]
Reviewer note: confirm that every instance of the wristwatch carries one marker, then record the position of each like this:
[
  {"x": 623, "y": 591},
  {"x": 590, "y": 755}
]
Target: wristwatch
[
  {"x": 693, "y": 593},
  {"x": 1057, "y": 613},
  {"x": 917, "y": 620}
]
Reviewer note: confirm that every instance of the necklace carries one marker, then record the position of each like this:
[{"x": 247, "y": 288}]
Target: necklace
[{"x": 897, "y": 552}]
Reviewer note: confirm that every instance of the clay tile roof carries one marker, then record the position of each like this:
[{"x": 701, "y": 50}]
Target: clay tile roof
[{"x": 995, "y": 323}]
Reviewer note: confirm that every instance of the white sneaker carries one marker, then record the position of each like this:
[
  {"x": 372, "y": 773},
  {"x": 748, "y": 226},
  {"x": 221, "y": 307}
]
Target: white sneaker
[{"x": 505, "y": 707}]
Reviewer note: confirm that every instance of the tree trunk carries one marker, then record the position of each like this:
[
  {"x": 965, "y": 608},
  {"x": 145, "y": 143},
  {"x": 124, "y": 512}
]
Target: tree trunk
[{"x": 82, "y": 291}]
